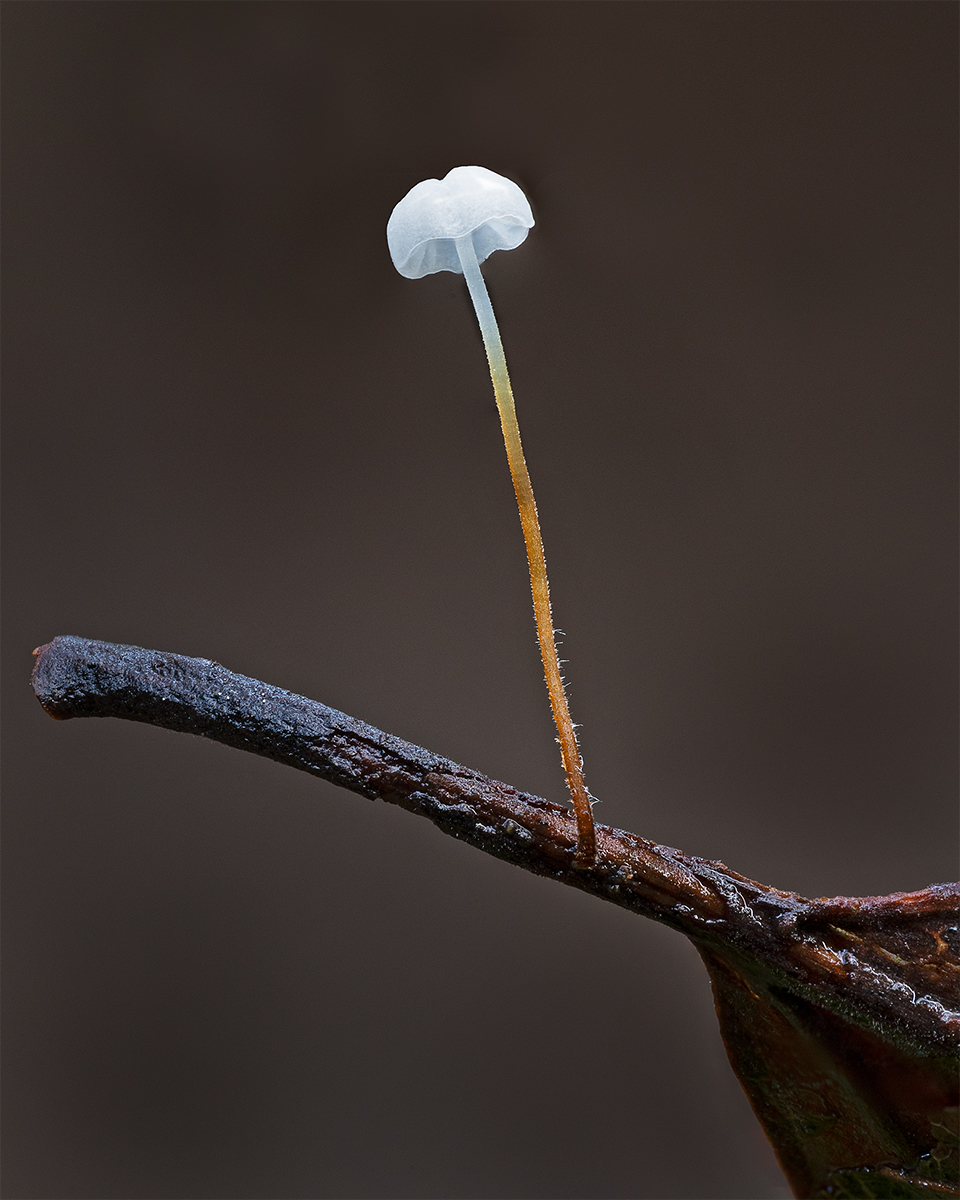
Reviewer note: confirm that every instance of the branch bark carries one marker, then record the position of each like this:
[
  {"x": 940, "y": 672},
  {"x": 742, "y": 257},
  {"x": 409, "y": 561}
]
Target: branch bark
[{"x": 852, "y": 1001}]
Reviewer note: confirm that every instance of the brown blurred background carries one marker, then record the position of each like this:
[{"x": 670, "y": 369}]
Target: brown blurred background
[{"x": 233, "y": 430}]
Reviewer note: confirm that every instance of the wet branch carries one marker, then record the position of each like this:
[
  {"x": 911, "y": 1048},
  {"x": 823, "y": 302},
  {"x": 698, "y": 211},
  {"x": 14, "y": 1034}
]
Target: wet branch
[
  {"x": 796, "y": 980},
  {"x": 75, "y": 677}
]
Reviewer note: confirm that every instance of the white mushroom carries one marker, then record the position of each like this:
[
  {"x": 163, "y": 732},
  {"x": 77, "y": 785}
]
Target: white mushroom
[
  {"x": 453, "y": 224},
  {"x": 469, "y": 202}
]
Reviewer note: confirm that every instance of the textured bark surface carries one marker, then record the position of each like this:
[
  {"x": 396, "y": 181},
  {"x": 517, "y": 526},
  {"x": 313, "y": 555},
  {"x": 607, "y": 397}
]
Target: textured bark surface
[{"x": 840, "y": 1015}]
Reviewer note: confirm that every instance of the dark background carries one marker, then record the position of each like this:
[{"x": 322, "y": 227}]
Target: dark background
[{"x": 233, "y": 430}]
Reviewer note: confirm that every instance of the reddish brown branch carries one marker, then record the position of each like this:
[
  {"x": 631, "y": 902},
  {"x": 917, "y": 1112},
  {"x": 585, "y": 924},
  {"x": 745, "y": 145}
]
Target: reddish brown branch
[
  {"x": 75, "y": 677},
  {"x": 789, "y": 973}
]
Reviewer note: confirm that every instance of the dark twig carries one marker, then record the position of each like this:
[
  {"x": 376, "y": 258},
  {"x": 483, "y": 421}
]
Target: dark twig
[
  {"x": 75, "y": 677},
  {"x": 886, "y": 967}
]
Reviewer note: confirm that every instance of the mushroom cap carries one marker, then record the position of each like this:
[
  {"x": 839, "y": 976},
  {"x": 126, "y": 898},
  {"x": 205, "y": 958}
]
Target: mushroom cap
[{"x": 423, "y": 229}]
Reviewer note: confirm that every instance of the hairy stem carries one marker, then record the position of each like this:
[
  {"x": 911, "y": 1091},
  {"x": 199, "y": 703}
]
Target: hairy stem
[{"x": 566, "y": 734}]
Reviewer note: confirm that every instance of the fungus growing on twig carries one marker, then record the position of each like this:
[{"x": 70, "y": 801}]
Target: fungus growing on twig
[{"x": 453, "y": 224}]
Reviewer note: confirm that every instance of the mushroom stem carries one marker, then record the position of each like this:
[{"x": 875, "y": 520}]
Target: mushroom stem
[{"x": 569, "y": 750}]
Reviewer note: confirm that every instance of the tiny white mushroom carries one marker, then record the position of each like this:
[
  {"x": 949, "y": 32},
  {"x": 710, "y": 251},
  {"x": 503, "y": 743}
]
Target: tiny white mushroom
[
  {"x": 469, "y": 202},
  {"x": 453, "y": 224}
]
